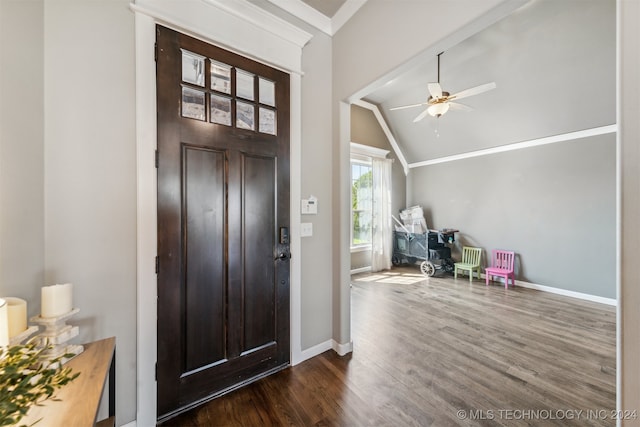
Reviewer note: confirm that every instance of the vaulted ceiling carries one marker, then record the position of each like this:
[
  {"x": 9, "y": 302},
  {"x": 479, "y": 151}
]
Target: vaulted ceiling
[
  {"x": 553, "y": 62},
  {"x": 554, "y": 66}
]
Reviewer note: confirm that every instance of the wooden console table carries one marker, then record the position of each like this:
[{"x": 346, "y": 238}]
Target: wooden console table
[{"x": 80, "y": 399}]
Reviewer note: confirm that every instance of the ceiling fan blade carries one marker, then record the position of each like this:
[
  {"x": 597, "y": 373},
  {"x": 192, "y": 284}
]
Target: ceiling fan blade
[
  {"x": 407, "y": 106},
  {"x": 473, "y": 91},
  {"x": 435, "y": 90},
  {"x": 421, "y": 116},
  {"x": 459, "y": 107}
]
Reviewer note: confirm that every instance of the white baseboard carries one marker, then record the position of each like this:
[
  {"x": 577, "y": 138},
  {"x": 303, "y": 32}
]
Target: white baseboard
[
  {"x": 567, "y": 293},
  {"x": 131, "y": 424},
  {"x": 559, "y": 291},
  {"x": 317, "y": 349},
  {"x": 361, "y": 270},
  {"x": 314, "y": 351},
  {"x": 342, "y": 349}
]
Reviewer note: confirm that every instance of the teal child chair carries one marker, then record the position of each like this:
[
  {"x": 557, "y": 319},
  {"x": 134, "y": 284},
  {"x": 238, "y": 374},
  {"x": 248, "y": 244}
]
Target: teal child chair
[{"x": 470, "y": 261}]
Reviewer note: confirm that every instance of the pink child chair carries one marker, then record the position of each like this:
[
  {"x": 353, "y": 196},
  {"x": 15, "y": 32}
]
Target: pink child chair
[{"x": 502, "y": 266}]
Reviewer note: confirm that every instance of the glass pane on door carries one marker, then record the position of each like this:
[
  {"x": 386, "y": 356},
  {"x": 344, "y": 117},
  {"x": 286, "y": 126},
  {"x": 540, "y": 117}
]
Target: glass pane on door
[
  {"x": 192, "y": 103},
  {"x": 267, "y": 120},
  {"x": 220, "y": 77},
  {"x": 245, "y": 116},
  {"x": 192, "y": 68},
  {"x": 244, "y": 85},
  {"x": 220, "y": 110},
  {"x": 267, "y": 90}
]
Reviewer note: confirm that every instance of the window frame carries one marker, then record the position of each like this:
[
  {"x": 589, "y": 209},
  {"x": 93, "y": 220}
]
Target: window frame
[
  {"x": 366, "y": 161},
  {"x": 249, "y": 110},
  {"x": 362, "y": 153}
]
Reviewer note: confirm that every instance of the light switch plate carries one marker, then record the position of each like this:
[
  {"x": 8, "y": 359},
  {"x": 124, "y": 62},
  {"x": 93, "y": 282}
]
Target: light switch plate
[{"x": 306, "y": 229}]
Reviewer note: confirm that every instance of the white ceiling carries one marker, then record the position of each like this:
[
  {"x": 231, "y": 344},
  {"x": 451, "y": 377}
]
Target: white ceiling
[{"x": 554, "y": 66}]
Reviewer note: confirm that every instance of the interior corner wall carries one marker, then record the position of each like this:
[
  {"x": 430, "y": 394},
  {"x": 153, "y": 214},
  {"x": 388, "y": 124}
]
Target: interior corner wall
[
  {"x": 554, "y": 205},
  {"x": 90, "y": 173},
  {"x": 316, "y": 280},
  {"x": 21, "y": 151},
  {"x": 366, "y": 130}
]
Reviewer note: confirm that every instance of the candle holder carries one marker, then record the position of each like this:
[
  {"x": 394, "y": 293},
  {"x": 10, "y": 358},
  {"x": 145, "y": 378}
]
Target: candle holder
[
  {"x": 56, "y": 334},
  {"x": 22, "y": 336}
]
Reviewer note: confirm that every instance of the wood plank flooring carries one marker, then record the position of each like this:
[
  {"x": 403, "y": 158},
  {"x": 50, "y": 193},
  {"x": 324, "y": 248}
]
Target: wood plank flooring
[{"x": 442, "y": 352}]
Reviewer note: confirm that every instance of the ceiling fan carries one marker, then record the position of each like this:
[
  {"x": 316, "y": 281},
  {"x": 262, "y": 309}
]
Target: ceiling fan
[{"x": 439, "y": 102}]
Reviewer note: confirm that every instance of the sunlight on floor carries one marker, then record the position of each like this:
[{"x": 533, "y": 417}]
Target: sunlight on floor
[{"x": 392, "y": 277}]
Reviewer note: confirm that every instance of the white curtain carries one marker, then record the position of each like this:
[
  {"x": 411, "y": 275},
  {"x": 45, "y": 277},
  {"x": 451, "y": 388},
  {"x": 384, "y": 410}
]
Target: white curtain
[{"x": 382, "y": 244}]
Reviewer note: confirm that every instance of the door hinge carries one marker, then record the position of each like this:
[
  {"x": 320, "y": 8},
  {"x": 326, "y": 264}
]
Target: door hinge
[
  {"x": 155, "y": 52},
  {"x": 157, "y": 158},
  {"x": 157, "y": 265}
]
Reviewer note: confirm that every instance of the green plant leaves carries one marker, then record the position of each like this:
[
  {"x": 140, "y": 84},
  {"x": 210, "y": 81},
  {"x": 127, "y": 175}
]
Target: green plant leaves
[{"x": 26, "y": 381}]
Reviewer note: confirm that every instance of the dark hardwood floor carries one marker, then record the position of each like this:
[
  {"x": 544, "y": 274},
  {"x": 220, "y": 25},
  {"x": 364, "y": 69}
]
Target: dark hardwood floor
[{"x": 440, "y": 352}]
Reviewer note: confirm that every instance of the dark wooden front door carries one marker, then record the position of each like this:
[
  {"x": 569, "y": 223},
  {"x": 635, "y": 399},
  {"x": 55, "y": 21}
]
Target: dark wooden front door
[{"x": 223, "y": 221}]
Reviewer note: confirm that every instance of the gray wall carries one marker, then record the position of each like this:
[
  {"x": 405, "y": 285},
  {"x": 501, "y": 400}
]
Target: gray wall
[
  {"x": 366, "y": 130},
  {"x": 21, "y": 151},
  {"x": 90, "y": 173},
  {"x": 316, "y": 305},
  {"x": 554, "y": 205},
  {"x": 67, "y": 165},
  {"x": 360, "y": 259}
]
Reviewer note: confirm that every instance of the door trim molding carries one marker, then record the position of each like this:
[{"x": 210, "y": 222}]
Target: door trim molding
[
  {"x": 275, "y": 42},
  {"x": 147, "y": 240},
  {"x": 264, "y": 20},
  {"x": 146, "y": 143}
]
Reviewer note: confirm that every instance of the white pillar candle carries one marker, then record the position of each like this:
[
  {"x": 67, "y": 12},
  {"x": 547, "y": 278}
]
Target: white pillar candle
[
  {"x": 4, "y": 324},
  {"x": 56, "y": 300},
  {"x": 17, "y": 315}
]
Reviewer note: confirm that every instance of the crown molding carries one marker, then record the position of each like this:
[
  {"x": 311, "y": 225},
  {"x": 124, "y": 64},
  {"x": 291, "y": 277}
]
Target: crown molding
[
  {"x": 303, "y": 11},
  {"x": 570, "y": 136},
  {"x": 311, "y": 16},
  {"x": 264, "y": 20}
]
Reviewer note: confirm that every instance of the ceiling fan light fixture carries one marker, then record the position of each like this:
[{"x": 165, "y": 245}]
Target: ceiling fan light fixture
[
  {"x": 439, "y": 101},
  {"x": 436, "y": 110}
]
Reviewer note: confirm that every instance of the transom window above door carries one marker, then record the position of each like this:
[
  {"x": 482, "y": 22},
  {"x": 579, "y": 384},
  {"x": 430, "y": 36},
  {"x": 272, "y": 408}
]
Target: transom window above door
[{"x": 226, "y": 95}]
